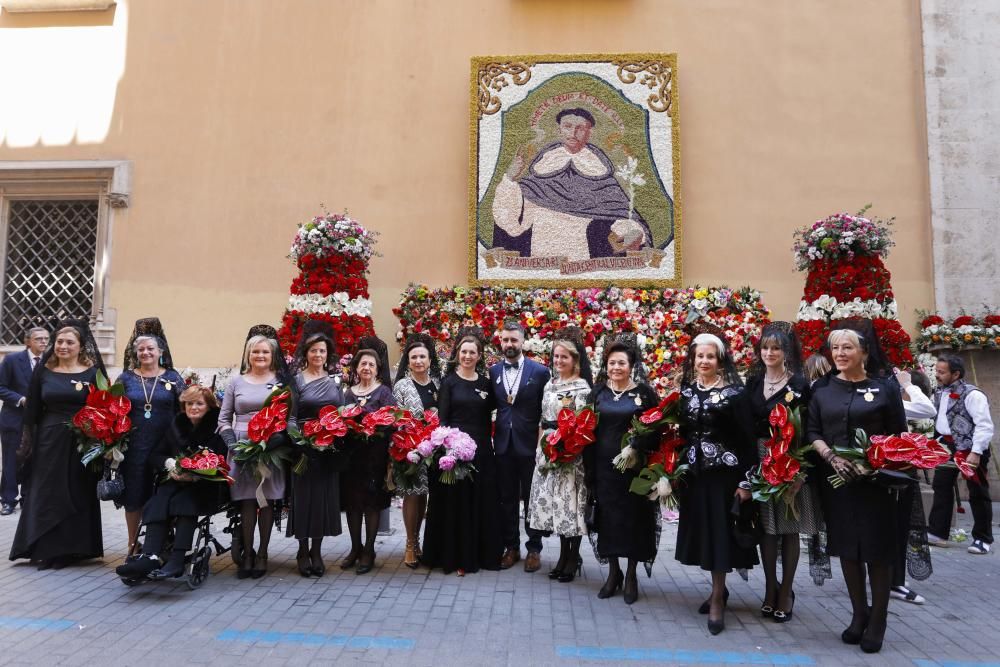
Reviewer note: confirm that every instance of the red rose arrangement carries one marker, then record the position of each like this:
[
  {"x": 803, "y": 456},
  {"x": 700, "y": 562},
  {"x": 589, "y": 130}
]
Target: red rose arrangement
[
  {"x": 658, "y": 479},
  {"x": 102, "y": 426},
  {"x": 205, "y": 465},
  {"x": 963, "y": 321},
  {"x": 270, "y": 420},
  {"x": 781, "y": 472},
  {"x": 902, "y": 452},
  {"x": 652, "y": 420},
  {"x": 404, "y": 456},
  {"x": 574, "y": 431}
]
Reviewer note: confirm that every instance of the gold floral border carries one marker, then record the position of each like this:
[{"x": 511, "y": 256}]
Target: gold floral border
[{"x": 509, "y": 66}]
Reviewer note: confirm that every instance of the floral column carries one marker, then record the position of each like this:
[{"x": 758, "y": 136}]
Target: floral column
[
  {"x": 846, "y": 278},
  {"x": 332, "y": 252}
]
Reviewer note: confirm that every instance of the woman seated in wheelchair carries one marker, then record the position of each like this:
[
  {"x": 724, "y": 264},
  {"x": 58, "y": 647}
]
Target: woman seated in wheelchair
[{"x": 179, "y": 497}]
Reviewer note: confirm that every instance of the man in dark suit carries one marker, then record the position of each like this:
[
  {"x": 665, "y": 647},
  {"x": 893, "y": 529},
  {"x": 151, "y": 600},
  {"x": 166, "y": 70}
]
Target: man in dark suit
[
  {"x": 15, "y": 376},
  {"x": 517, "y": 384}
]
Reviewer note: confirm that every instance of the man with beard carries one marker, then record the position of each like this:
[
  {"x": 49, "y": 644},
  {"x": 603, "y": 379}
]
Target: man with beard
[{"x": 517, "y": 384}]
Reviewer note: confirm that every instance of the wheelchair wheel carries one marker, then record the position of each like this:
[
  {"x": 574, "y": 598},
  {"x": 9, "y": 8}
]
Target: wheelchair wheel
[
  {"x": 236, "y": 551},
  {"x": 200, "y": 567}
]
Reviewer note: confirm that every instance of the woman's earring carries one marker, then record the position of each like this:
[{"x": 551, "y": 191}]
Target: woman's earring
[{"x": 161, "y": 359}]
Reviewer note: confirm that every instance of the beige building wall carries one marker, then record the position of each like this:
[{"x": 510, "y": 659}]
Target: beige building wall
[{"x": 242, "y": 116}]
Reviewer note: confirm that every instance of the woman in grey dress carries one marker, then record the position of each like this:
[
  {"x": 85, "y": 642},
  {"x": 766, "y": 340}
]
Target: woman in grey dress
[
  {"x": 559, "y": 496},
  {"x": 315, "y": 510},
  {"x": 416, "y": 389},
  {"x": 263, "y": 369}
]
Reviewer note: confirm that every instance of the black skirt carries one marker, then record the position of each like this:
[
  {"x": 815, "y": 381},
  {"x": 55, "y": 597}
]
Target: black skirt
[
  {"x": 705, "y": 530},
  {"x": 315, "y": 510},
  {"x": 860, "y": 520}
]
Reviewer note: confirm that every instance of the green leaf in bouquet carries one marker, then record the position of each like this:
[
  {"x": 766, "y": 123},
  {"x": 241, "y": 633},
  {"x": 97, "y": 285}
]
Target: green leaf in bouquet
[
  {"x": 101, "y": 380},
  {"x": 117, "y": 389}
]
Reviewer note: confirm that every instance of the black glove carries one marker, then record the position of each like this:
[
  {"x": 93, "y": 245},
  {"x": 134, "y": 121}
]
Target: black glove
[
  {"x": 229, "y": 437},
  {"x": 275, "y": 441}
]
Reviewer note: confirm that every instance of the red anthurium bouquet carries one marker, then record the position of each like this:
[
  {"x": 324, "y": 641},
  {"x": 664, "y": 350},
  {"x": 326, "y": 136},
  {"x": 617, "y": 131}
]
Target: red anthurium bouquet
[
  {"x": 969, "y": 471},
  {"x": 782, "y": 471},
  {"x": 651, "y": 421},
  {"x": 574, "y": 431},
  {"x": 405, "y": 457},
  {"x": 206, "y": 465},
  {"x": 269, "y": 420},
  {"x": 318, "y": 434},
  {"x": 891, "y": 453},
  {"x": 102, "y": 425},
  {"x": 377, "y": 422},
  {"x": 663, "y": 470}
]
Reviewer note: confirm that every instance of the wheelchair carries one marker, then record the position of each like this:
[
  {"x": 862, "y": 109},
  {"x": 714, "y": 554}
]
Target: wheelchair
[{"x": 197, "y": 562}]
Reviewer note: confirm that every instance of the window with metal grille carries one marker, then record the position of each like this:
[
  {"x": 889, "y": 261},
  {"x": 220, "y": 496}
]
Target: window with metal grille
[{"x": 49, "y": 264}]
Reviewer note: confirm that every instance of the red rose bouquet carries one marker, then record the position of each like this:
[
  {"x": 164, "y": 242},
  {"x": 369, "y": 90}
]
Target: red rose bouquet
[
  {"x": 405, "y": 458},
  {"x": 102, "y": 426},
  {"x": 205, "y": 465},
  {"x": 658, "y": 479},
  {"x": 891, "y": 455},
  {"x": 781, "y": 473},
  {"x": 318, "y": 434},
  {"x": 651, "y": 421},
  {"x": 574, "y": 431},
  {"x": 270, "y": 420}
]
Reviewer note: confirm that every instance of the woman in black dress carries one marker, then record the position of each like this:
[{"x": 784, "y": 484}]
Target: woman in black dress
[
  {"x": 315, "y": 509},
  {"x": 463, "y": 519},
  {"x": 776, "y": 379},
  {"x": 179, "y": 498},
  {"x": 363, "y": 484},
  {"x": 716, "y": 425},
  {"x": 60, "y": 519},
  {"x": 861, "y": 515},
  {"x": 626, "y": 522},
  {"x": 418, "y": 383}
]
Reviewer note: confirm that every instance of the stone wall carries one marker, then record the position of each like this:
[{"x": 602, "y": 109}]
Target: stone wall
[{"x": 961, "y": 50}]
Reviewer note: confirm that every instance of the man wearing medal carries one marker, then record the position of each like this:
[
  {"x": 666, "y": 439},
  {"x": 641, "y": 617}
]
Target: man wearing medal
[{"x": 517, "y": 385}]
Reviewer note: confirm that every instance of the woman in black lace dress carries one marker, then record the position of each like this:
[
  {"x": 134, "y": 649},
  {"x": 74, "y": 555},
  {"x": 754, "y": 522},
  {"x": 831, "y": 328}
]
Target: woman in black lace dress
[
  {"x": 716, "y": 425},
  {"x": 463, "y": 531}
]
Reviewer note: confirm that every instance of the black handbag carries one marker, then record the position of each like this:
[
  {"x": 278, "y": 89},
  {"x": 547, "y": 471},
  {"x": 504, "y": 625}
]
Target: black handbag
[
  {"x": 590, "y": 515},
  {"x": 111, "y": 486},
  {"x": 747, "y": 530}
]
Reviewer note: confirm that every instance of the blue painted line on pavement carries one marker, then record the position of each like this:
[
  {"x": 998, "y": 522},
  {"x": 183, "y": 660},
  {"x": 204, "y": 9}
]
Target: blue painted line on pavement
[
  {"x": 315, "y": 640},
  {"x": 679, "y": 656},
  {"x": 18, "y": 623},
  {"x": 953, "y": 663}
]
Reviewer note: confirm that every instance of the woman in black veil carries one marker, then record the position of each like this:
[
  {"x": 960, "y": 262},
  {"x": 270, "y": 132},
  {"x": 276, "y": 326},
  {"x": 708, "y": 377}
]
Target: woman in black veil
[{"x": 60, "y": 522}]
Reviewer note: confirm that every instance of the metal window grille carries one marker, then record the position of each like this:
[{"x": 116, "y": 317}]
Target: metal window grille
[{"x": 49, "y": 264}]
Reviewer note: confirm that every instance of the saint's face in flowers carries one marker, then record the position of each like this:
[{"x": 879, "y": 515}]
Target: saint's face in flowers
[{"x": 574, "y": 131}]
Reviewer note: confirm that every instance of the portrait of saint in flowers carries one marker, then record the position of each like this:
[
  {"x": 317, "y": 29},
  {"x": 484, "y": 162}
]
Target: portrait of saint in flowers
[{"x": 575, "y": 180}]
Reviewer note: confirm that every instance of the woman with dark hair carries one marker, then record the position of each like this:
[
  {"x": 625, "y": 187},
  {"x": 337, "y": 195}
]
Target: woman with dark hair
[
  {"x": 776, "y": 379},
  {"x": 262, "y": 371},
  {"x": 463, "y": 531},
  {"x": 418, "y": 382},
  {"x": 179, "y": 498},
  {"x": 363, "y": 488},
  {"x": 558, "y": 500},
  {"x": 153, "y": 386},
  {"x": 315, "y": 507},
  {"x": 60, "y": 521},
  {"x": 626, "y": 522},
  {"x": 716, "y": 425},
  {"x": 860, "y": 515}
]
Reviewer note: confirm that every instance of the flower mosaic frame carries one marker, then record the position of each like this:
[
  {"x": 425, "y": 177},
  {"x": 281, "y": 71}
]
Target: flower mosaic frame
[{"x": 574, "y": 173}]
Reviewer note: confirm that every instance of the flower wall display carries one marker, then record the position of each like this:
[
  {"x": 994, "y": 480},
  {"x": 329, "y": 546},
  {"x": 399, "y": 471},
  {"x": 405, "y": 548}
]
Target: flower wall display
[
  {"x": 845, "y": 279},
  {"x": 332, "y": 252},
  {"x": 661, "y": 319},
  {"x": 963, "y": 332}
]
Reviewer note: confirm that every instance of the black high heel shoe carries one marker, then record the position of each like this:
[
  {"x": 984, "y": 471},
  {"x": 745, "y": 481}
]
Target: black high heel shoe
[
  {"x": 318, "y": 567},
  {"x": 703, "y": 609},
  {"x": 631, "y": 591},
  {"x": 854, "y": 632},
  {"x": 611, "y": 586},
  {"x": 566, "y": 577},
  {"x": 351, "y": 559},
  {"x": 304, "y": 563},
  {"x": 259, "y": 567},
  {"x": 715, "y": 627},
  {"x": 784, "y": 616},
  {"x": 366, "y": 562},
  {"x": 246, "y": 572},
  {"x": 871, "y": 639}
]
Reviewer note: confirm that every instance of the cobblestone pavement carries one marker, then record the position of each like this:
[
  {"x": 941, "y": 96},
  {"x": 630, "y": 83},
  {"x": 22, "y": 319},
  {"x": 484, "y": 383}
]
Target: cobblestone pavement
[{"x": 85, "y": 615}]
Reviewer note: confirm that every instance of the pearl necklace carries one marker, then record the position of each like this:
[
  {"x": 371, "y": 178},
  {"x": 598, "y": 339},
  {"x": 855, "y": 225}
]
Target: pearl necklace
[{"x": 718, "y": 380}]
